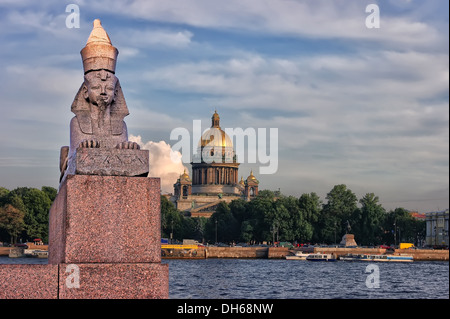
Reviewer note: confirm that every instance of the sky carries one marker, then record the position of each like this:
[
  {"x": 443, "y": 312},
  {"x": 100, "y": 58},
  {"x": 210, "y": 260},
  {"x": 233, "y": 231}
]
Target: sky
[{"x": 354, "y": 105}]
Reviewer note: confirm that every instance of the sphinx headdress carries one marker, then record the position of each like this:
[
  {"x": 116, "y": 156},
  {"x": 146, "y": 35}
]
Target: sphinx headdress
[{"x": 99, "y": 54}]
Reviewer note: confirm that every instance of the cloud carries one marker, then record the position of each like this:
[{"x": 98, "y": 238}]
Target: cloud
[
  {"x": 310, "y": 83},
  {"x": 315, "y": 19},
  {"x": 154, "y": 37},
  {"x": 161, "y": 164}
]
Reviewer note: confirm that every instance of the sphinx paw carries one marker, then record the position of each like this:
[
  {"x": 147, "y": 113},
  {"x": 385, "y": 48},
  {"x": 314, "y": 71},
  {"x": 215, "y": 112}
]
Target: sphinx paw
[
  {"x": 128, "y": 145},
  {"x": 89, "y": 144}
]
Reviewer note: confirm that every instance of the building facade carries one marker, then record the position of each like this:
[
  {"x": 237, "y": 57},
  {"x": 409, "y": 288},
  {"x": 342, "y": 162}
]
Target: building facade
[
  {"x": 215, "y": 175},
  {"x": 437, "y": 228}
]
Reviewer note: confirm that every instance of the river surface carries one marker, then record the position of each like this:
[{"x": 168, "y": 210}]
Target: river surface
[{"x": 286, "y": 279}]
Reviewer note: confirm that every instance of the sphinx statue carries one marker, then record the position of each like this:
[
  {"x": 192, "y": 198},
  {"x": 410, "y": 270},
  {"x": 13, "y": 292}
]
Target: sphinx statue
[{"x": 98, "y": 129}]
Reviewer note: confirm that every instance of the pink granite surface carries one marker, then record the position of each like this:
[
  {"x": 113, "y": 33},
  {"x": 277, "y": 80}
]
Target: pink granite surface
[
  {"x": 106, "y": 219},
  {"x": 28, "y": 281},
  {"x": 114, "y": 281}
]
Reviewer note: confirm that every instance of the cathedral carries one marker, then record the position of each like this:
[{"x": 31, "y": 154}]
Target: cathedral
[{"x": 214, "y": 175}]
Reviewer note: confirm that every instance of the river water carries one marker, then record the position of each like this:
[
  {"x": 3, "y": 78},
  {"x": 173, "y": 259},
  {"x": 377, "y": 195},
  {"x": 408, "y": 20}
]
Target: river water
[
  {"x": 283, "y": 279},
  {"x": 294, "y": 279}
]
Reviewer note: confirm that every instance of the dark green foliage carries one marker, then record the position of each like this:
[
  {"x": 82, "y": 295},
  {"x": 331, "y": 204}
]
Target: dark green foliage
[
  {"x": 268, "y": 217},
  {"x": 35, "y": 206}
]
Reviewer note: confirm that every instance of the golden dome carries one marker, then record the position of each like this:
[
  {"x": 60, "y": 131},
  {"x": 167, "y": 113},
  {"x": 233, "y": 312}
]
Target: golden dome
[
  {"x": 252, "y": 178},
  {"x": 215, "y": 136},
  {"x": 185, "y": 177},
  {"x": 215, "y": 145}
]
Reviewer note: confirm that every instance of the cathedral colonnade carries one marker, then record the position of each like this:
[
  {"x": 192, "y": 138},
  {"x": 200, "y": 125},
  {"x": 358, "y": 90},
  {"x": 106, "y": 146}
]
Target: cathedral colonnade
[{"x": 212, "y": 174}]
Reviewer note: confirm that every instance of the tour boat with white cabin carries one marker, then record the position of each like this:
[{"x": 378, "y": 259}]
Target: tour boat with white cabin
[
  {"x": 377, "y": 258},
  {"x": 391, "y": 258},
  {"x": 354, "y": 257},
  {"x": 299, "y": 255}
]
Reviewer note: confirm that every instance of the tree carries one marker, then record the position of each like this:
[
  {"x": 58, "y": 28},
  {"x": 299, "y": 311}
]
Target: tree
[
  {"x": 335, "y": 214},
  {"x": 50, "y": 191},
  {"x": 372, "y": 216},
  {"x": 11, "y": 220},
  {"x": 258, "y": 211},
  {"x": 401, "y": 226},
  {"x": 3, "y": 195},
  {"x": 227, "y": 227},
  {"x": 172, "y": 225},
  {"x": 238, "y": 208},
  {"x": 268, "y": 194},
  {"x": 246, "y": 231},
  {"x": 341, "y": 202},
  {"x": 296, "y": 226},
  {"x": 198, "y": 228},
  {"x": 310, "y": 206},
  {"x": 278, "y": 217},
  {"x": 37, "y": 206}
]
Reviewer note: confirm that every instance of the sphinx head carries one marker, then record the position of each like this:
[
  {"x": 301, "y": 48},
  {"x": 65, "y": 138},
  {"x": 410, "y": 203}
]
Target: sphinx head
[{"x": 100, "y": 88}]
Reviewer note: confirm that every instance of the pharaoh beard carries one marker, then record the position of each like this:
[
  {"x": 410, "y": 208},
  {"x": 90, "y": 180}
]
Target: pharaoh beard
[{"x": 101, "y": 103}]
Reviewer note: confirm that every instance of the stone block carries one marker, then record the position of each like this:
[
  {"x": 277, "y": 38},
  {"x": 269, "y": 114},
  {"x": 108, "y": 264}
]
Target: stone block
[
  {"x": 28, "y": 281},
  {"x": 106, "y": 219},
  {"x": 114, "y": 281},
  {"x": 112, "y": 162}
]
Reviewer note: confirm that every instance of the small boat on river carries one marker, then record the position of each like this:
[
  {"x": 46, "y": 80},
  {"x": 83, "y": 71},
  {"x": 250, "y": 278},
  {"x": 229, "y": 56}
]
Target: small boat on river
[
  {"x": 377, "y": 258},
  {"x": 299, "y": 255},
  {"x": 354, "y": 257},
  {"x": 391, "y": 258},
  {"x": 321, "y": 257}
]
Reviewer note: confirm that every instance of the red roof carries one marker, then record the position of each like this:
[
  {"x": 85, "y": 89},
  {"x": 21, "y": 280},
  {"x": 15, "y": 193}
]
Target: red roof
[{"x": 418, "y": 215}]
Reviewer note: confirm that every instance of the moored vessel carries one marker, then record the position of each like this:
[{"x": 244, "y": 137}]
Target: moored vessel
[
  {"x": 299, "y": 255},
  {"x": 321, "y": 257}
]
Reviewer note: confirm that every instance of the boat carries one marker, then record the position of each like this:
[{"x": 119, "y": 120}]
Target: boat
[
  {"x": 391, "y": 258},
  {"x": 377, "y": 258},
  {"x": 321, "y": 257},
  {"x": 38, "y": 253},
  {"x": 354, "y": 257},
  {"x": 299, "y": 255}
]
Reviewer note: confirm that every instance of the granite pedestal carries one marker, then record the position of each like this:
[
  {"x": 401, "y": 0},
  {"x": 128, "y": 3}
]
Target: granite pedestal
[
  {"x": 109, "y": 219},
  {"x": 104, "y": 242}
]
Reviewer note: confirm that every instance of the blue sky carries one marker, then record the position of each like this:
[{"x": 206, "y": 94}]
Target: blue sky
[{"x": 357, "y": 106}]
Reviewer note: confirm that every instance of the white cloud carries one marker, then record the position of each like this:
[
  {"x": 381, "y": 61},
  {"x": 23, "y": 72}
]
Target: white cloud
[
  {"x": 318, "y": 19},
  {"x": 312, "y": 84},
  {"x": 161, "y": 164},
  {"x": 153, "y": 37}
]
